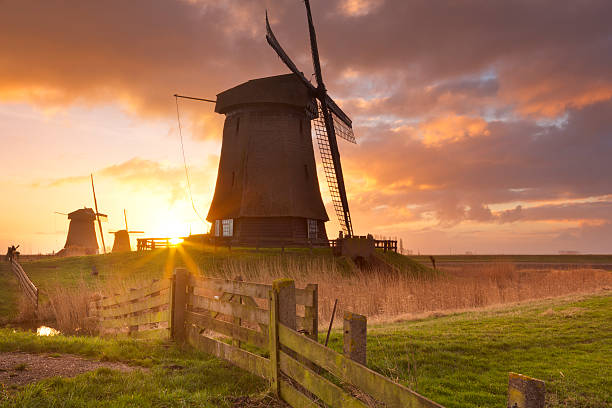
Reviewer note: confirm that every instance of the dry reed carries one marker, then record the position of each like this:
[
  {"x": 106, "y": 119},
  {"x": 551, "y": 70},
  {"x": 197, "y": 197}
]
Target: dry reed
[
  {"x": 384, "y": 296},
  {"x": 380, "y": 295}
]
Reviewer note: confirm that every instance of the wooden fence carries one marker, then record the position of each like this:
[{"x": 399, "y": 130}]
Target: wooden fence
[
  {"x": 221, "y": 316},
  {"x": 142, "y": 312},
  {"x": 147, "y": 244},
  {"x": 29, "y": 289}
]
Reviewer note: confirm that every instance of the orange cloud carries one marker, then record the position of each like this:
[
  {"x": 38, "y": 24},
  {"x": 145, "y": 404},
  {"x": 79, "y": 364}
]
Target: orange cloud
[{"x": 451, "y": 129}]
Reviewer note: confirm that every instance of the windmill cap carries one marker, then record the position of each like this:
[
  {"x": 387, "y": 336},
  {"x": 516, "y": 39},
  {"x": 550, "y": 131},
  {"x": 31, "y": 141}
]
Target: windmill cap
[
  {"x": 82, "y": 214},
  {"x": 285, "y": 89}
]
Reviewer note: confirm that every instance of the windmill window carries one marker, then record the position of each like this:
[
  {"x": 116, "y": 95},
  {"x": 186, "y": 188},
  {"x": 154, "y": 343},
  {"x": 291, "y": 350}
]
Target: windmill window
[
  {"x": 313, "y": 229},
  {"x": 217, "y": 228},
  {"x": 228, "y": 227},
  {"x": 301, "y": 126},
  {"x": 233, "y": 178},
  {"x": 237, "y": 125}
]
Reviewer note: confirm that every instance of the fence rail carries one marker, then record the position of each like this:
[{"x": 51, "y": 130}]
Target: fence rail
[
  {"x": 147, "y": 244},
  {"x": 141, "y": 312},
  {"x": 27, "y": 286},
  {"x": 220, "y": 317}
]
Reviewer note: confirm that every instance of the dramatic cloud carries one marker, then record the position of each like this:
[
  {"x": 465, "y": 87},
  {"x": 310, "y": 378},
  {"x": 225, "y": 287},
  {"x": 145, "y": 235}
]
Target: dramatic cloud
[
  {"x": 141, "y": 174},
  {"x": 477, "y": 113}
]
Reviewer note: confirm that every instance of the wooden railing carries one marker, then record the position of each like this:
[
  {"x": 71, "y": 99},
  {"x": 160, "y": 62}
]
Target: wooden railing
[
  {"x": 146, "y": 244},
  {"x": 221, "y": 316},
  {"x": 27, "y": 286},
  {"x": 386, "y": 244},
  {"x": 142, "y": 312}
]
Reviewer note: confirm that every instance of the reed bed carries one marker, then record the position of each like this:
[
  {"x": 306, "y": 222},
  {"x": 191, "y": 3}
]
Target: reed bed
[
  {"x": 386, "y": 296},
  {"x": 381, "y": 295}
]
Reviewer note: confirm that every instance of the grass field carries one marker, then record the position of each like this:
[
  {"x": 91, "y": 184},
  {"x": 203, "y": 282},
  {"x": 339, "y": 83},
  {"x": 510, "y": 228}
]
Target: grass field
[
  {"x": 170, "y": 376},
  {"x": 460, "y": 360}
]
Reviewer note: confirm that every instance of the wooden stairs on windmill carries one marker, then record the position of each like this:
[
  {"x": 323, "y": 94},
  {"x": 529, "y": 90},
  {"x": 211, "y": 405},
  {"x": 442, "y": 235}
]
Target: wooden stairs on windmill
[{"x": 221, "y": 317}]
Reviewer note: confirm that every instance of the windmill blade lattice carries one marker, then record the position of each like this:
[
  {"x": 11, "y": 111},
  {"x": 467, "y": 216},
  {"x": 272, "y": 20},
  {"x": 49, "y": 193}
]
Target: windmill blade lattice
[
  {"x": 342, "y": 130},
  {"x": 330, "y": 172}
]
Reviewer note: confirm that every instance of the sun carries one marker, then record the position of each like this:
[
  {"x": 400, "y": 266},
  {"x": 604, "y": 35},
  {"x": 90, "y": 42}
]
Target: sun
[{"x": 175, "y": 241}]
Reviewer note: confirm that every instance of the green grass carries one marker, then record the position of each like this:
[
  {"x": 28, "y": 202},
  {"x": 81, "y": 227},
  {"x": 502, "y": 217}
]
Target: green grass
[
  {"x": 463, "y": 360},
  {"x": 460, "y": 360},
  {"x": 170, "y": 376},
  {"x": 9, "y": 292}
]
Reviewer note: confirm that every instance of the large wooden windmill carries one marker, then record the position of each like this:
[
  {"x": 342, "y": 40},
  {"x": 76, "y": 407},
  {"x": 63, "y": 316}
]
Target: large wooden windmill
[
  {"x": 330, "y": 122},
  {"x": 267, "y": 189}
]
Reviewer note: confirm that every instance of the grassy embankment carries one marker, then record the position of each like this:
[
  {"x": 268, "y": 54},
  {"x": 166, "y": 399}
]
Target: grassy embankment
[
  {"x": 460, "y": 360},
  {"x": 60, "y": 275}
]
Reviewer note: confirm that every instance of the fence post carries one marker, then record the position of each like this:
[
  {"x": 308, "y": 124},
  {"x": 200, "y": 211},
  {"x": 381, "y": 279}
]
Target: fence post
[
  {"x": 179, "y": 300},
  {"x": 525, "y": 392},
  {"x": 237, "y": 321},
  {"x": 311, "y": 313},
  {"x": 282, "y": 310},
  {"x": 355, "y": 337}
]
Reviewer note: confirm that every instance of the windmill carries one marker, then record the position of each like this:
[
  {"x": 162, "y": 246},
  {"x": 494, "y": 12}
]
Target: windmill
[
  {"x": 330, "y": 122},
  {"x": 81, "y": 239},
  {"x": 122, "y": 237},
  {"x": 267, "y": 191}
]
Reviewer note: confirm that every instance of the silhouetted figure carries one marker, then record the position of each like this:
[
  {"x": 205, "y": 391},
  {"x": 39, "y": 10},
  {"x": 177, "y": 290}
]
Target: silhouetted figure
[
  {"x": 433, "y": 261},
  {"x": 94, "y": 270},
  {"x": 12, "y": 253}
]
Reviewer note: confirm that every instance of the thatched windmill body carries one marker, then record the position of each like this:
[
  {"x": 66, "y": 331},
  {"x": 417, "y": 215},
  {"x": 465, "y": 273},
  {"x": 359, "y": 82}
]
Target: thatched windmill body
[{"x": 267, "y": 188}]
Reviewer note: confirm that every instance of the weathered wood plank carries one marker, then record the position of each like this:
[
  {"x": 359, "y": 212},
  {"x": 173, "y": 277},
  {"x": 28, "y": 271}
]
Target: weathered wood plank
[
  {"x": 372, "y": 383},
  {"x": 179, "y": 304},
  {"x": 295, "y": 398},
  {"x": 304, "y": 297},
  {"x": 257, "y": 290},
  {"x": 145, "y": 318},
  {"x": 24, "y": 280},
  {"x": 247, "y": 361},
  {"x": 246, "y": 312},
  {"x": 329, "y": 393},
  {"x": 311, "y": 313},
  {"x": 228, "y": 329},
  {"x": 136, "y": 294},
  {"x": 139, "y": 306}
]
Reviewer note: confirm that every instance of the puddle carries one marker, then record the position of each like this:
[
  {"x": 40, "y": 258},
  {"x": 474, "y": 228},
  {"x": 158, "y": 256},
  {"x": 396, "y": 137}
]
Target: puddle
[{"x": 47, "y": 331}]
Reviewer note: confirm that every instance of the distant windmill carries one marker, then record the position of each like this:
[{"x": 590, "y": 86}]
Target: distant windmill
[
  {"x": 81, "y": 238},
  {"x": 122, "y": 237}
]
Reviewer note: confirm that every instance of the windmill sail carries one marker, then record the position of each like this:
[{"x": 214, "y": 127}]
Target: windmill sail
[
  {"x": 331, "y": 177},
  {"x": 342, "y": 130}
]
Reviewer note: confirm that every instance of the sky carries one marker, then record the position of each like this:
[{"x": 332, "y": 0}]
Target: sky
[{"x": 482, "y": 126}]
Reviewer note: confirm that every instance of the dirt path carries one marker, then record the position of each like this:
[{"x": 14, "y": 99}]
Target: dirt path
[{"x": 25, "y": 368}]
